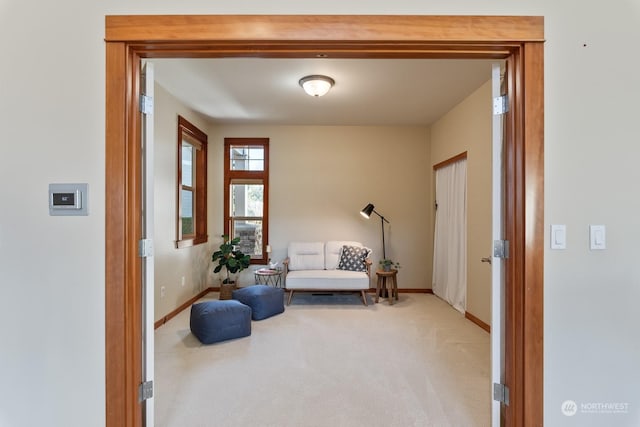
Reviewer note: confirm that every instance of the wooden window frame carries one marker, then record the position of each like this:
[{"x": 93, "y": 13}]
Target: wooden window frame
[
  {"x": 231, "y": 175},
  {"x": 199, "y": 186},
  {"x": 519, "y": 40}
]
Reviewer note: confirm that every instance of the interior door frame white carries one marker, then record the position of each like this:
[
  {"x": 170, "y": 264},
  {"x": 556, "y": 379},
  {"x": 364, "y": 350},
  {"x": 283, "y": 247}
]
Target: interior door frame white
[
  {"x": 497, "y": 264},
  {"x": 148, "y": 279}
]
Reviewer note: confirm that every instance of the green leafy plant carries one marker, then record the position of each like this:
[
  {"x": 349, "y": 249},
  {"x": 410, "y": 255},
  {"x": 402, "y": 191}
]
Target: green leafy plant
[
  {"x": 388, "y": 264},
  {"x": 232, "y": 259}
]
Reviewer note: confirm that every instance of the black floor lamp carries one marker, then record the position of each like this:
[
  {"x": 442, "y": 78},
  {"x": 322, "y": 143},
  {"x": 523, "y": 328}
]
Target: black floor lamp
[{"x": 366, "y": 212}]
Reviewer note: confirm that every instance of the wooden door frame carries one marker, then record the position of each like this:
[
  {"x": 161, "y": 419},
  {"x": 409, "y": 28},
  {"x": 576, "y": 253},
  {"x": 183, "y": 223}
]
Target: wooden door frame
[{"x": 516, "y": 39}]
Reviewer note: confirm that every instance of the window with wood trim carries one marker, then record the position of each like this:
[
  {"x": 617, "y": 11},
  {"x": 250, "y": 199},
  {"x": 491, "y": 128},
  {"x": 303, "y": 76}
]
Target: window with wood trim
[
  {"x": 191, "y": 223},
  {"x": 246, "y": 194}
]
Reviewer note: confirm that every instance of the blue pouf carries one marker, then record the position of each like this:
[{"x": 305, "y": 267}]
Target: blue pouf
[
  {"x": 213, "y": 321},
  {"x": 264, "y": 300}
]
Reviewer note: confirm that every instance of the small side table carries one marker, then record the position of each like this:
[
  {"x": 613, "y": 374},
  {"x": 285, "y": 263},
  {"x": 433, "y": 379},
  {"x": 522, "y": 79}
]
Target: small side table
[
  {"x": 267, "y": 276},
  {"x": 382, "y": 284}
]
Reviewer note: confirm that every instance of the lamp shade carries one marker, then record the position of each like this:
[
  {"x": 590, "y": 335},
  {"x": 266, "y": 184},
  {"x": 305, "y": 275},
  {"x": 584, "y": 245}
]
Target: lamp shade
[
  {"x": 316, "y": 85},
  {"x": 366, "y": 212}
]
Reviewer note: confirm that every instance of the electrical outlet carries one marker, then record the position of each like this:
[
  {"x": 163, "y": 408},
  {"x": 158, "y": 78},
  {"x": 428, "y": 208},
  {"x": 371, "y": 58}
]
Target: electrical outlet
[
  {"x": 182, "y": 281},
  {"x": 162, "y": 289}
]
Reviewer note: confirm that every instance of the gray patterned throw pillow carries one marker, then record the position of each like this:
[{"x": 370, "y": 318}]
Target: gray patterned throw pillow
[{"x": 352, "y": 258}]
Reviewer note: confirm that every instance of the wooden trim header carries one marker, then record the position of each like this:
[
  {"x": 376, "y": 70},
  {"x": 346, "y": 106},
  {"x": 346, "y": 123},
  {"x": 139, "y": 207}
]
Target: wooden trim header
[
  {"x": 325, "y": 28},
  {"x": 447, "y": 162}
]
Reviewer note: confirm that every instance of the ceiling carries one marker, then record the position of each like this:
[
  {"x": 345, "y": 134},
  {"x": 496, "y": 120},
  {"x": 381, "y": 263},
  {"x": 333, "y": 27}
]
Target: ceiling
[{"x": 385, "y": 92}]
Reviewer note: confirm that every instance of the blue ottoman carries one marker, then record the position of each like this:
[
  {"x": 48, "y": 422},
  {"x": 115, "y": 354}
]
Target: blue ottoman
[
  {"x": 213, "y": 321},
  {"x": 264, "y": 300}
]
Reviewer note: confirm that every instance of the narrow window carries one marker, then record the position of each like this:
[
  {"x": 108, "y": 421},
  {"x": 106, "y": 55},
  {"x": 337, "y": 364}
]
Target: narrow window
[
  {"x": 192, "y": 185},
  {"x": 246, "y": 194}
]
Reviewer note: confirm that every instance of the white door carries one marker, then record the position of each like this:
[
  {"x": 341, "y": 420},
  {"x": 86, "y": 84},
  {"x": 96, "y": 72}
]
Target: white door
[
  {"x": 497, "y": 265},
  {"x": 146, "y": 85}
]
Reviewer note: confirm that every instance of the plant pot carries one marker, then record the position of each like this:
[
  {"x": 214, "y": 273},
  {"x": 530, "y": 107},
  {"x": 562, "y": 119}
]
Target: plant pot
[
  {"x": 386, "y": 268},
  {"x": 226, "y": 290}
]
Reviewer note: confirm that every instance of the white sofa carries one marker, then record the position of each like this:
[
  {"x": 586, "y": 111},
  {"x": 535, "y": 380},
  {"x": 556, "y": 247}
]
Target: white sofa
[{"x": 324, "y": 266}]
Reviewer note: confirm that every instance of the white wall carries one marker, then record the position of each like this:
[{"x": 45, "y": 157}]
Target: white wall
[
  {"x": 592, "y": 339},
  {"x": 52, "y": 269},
  {"x": 467, "y": 128},
  {"x": 322, "y": 176}
]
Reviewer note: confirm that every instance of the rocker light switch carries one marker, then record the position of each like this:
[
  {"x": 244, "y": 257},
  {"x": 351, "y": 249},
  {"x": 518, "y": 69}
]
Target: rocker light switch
[
  {"x": 597, "y": 237},
  {"x": 558, "y": 236}
]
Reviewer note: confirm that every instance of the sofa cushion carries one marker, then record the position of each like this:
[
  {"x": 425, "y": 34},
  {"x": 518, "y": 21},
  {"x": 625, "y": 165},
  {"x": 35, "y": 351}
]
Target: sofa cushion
[
  {"x": 306, "y": 255},
  {"x": 332, "y": 251},
  {"x": 352, "y": 258},
  {"x": 334, "y": 280}
]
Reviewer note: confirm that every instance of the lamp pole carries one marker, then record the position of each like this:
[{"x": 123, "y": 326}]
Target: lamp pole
[
  {"x": 383, "y": 292},
  {"x": 382, "y": 221},
  {"x": 366, "y": 212}
]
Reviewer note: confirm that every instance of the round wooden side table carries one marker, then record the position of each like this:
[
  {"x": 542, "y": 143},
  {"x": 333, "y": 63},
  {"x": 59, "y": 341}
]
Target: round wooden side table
[{"x": 382, "y": 284}]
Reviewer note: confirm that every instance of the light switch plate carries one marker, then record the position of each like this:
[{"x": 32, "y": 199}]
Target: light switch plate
[
  {"x": 558, "y": 236},
  {"x": 597, "y": 237}
]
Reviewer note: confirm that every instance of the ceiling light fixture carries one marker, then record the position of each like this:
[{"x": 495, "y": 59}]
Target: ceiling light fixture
[{"x": 316, "y": 85}]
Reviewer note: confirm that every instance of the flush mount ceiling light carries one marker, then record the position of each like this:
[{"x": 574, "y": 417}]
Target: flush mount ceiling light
[{"x": 316, "y": 85}]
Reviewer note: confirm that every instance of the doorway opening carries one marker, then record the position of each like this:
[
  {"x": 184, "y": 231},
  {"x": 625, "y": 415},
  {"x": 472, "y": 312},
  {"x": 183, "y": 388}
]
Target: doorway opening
[
  {"x": 518, "y": 40},
  {"x": 450, "y": 236}
]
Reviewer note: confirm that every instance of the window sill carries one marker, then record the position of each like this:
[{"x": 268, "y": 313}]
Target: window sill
[{"x": 187, "y": 243}]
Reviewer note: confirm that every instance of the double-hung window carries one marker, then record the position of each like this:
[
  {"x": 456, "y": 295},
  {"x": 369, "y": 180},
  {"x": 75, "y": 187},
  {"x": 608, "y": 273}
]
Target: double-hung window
[
  {"x": 191, "y": 224},
  {"x": 246, "y": 194}
]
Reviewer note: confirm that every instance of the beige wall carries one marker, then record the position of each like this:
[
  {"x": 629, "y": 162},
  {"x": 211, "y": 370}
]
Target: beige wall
[
  {"x": 467, "y": 127},
  {"x": 172, "y": 265},
  {"x": 322, "y": 176}
]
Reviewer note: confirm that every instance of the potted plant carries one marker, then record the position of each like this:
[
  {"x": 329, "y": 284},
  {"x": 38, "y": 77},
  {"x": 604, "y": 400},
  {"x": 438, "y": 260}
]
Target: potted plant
[
  {"x": 388, "y": 264},
  {"x": 233, "y": 260}
]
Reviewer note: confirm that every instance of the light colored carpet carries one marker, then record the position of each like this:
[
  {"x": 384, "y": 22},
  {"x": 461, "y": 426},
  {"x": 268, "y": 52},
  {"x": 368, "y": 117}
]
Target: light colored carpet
[{"x": 329, "y": 361}]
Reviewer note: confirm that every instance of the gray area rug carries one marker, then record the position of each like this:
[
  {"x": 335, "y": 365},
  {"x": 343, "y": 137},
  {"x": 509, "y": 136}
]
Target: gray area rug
[{"x": 328, "y": 298}]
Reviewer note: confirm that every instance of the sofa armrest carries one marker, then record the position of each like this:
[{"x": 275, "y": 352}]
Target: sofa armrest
[
  {"x": 285, "y": 271},
  {"x": 368, "y": 263}
]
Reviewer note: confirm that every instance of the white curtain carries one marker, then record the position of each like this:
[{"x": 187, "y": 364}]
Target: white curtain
[{"x": 450, "y": 240}]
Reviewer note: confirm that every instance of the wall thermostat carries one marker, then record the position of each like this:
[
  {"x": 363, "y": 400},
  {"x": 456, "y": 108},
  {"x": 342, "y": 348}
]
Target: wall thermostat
[{"x": 68, "y": 199}]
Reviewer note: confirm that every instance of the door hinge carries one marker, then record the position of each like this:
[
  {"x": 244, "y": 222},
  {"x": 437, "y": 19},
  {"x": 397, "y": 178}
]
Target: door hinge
[
  {"x": 145, "y": 391},
  {"x": 146, "y": 104},
  {"x": 501, "y": 393},
  {"x": 145, "y": 248},
  {"x": 501, "y": 249},
  {"x": 500, "y": 105}
]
